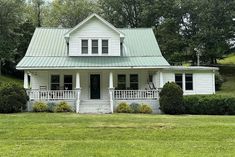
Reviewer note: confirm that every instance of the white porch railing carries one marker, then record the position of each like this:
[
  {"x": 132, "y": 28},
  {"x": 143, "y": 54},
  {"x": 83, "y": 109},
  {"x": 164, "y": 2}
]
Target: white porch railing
[
  {"x": 135, "y": 94},
  {"x": 52, "y": 94}
]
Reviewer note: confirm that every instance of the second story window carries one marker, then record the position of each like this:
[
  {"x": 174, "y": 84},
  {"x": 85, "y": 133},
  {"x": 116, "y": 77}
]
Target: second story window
[
  {"x": 95, "y": 48},
  {"x": 84, "y": 46},
  {"x": 105, "y": 46}
]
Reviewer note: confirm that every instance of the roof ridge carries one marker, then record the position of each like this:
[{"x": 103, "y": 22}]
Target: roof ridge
[{"x": 51, "y": 28}]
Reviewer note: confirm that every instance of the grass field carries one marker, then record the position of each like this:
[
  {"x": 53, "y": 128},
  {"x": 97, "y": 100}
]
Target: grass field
[
  {"x": 227, "y": 69},
  {"x": 229, "y": 60},
  {"x": 5, "y": 79},
  {"x": 73, "y": 135}
]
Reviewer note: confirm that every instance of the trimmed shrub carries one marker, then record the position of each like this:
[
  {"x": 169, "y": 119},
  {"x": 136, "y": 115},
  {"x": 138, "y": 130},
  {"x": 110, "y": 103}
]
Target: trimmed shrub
[
  {"x": 123, "y": 108},
  {"x": 135, "y": 107},
  {"x": 209, "y": 104},
  {"x": 40, "y": 107},
  {"x": 13, "y": 98},
  {"x": 145, "y": 109},
  {"x": 63, "y": 107},
  {"x": 171, "y": 99},
  {"x": 219, "y": 80},
  {"x": 51, "y": 107}
]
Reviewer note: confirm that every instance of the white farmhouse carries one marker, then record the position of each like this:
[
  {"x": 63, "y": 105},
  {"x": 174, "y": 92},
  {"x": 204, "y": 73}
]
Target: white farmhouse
[{"x": 94, "y": 66}]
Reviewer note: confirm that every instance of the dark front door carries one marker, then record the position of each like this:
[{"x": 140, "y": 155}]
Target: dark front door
[{"x": 95, "y": 86}]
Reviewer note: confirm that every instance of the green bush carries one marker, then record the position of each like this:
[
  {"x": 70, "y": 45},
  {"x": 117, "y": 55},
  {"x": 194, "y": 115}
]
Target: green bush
[
  {"x": 209, "y": 104},
  {"x": 63, "y": 107},
  {"x": 123, "y": 108},
  {"x": 171, "y": 99},
  {"x": 13, "y": 98},
  {"x": 135, "y": 107},
  {"x": 145, "y": 109},
  {"x": 219, "y": 80},
  {"x": 40, "y": 107},
  {"x": 51, "y": 106}
]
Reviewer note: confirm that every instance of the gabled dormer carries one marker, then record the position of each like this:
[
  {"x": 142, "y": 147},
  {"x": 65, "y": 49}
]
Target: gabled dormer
[{"x": 94, "y": 36}]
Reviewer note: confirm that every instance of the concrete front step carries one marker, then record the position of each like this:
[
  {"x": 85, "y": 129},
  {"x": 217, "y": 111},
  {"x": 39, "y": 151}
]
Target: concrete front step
[{"x": 94, "y": 106}]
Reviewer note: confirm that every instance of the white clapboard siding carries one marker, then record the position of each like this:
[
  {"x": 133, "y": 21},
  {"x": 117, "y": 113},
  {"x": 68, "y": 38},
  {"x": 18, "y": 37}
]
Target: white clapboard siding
[
  {"x": 204, "y": 83},
  {"x": 94, "y": 29},
  {"x": 39, "y": 78}
]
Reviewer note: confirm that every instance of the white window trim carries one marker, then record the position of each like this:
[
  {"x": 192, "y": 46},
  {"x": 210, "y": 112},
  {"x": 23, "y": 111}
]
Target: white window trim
[
  {"x": 184, "y": 81},
  {"x": 105, "y": 54},
  {"x": 99, "y": 46}
]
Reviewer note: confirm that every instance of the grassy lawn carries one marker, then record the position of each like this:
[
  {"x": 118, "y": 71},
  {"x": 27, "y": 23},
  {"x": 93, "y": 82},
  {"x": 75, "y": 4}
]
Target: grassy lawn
[
  {"x": 32, "y": 134},
  {"x": 5, "y": 79},
  {"x": 230, "y": 59}
]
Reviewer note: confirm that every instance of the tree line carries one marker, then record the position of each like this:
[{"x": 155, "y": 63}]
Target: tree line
[{"x": 182, "y": 27}]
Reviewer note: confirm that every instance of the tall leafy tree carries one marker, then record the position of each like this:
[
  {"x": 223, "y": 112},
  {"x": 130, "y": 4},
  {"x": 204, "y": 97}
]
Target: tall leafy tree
[
  {"x": 208, "y": 26},
  {"x": 129, "y": 13},
  {"x": 10, "y": 17},
  {"x": 68, "y": 13}
]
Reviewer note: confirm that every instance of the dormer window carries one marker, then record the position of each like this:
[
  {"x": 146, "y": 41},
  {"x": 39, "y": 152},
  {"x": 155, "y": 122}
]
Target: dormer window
[
  {"x": 95, "y": 47},
  {"x": 84, "y": 46},
  {"x": 105, "y": 46}
]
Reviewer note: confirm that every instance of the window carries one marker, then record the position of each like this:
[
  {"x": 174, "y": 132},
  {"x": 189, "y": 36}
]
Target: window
[
  {"x": 55, "y": 82},
  {"x": 150, "y": 78},
  {"x": 95, "y": 48},
  {"x": 179, "y": 80},
  {"x": 121, "y": 82},
  {"x": 134, "y": 85},
  {"x": 105, "y": 46},
  {"x": 188, "y": 81},
  {"x": 68, "y": 82},
  {"x": 84, "y": 46}
]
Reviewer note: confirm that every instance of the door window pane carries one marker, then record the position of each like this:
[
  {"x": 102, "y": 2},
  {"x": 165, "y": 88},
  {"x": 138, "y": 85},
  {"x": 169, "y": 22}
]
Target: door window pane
[
  {"x": 55, "y": 82},
  {"x": 84, "y": 46},
  {"x": 189, "y": 81},
  {"x": 122, "y": 82},
  {"x": 134, "y": 83},
  {"x": 179, "y": 80},
  {"x": 94, "y": 46}
]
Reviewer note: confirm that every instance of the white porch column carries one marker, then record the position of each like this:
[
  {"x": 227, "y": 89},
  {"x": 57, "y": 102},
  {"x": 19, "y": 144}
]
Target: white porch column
[
  {"x": 78, "y": 88},
  {"x": 111, "y": 89},
  {"x": 77, "y": 80},
  {"x": 26, "y": 80},
  {"x": 213, "y": 82},
  {"x": 161, "y": 79}
]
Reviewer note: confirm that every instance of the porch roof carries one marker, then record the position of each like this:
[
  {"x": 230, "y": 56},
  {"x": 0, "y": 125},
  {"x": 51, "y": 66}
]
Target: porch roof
[{"x": 90, "y": 62}]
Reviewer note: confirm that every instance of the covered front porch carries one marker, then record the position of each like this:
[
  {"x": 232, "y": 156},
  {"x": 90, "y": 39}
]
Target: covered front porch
[{"x": 94, "y": 90}]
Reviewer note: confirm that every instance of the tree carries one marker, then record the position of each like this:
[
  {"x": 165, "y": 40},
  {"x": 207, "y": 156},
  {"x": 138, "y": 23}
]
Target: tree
[
  {"x": 68, "y": 13},
  {"x": 129, "y": 13},
  {"x": 10, "y": 17},
  {"x": 35, "y": 11},
  {"x": 209, "y": 26}
]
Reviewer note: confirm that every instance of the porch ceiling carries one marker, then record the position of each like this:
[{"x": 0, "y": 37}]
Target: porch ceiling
[{"x": 89, "y": 62}]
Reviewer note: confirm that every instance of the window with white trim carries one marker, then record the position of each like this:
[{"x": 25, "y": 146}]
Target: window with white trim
[
  {"x": 121, "y": 82},
  {"x": 179, "y": 80},
  {"x": 134, "y": 82},
  {"x": 188, "y": 81},
  {"x": 105, "y": 46},
  {"x": 55, "y": 82},
  {"x": 85, "y": 46},
  {"x": 68, "y": 82},
  {"x": 95, "y": 47}
]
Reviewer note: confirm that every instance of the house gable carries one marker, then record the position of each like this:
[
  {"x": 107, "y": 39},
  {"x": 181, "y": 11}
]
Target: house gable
[{"x": 94, "y": 31}]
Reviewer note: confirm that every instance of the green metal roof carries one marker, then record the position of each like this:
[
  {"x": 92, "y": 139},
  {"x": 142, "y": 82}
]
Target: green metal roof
[
  {"x": 48, "y": 49},
  {"x": 74, "y": 62}
]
